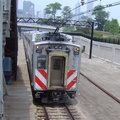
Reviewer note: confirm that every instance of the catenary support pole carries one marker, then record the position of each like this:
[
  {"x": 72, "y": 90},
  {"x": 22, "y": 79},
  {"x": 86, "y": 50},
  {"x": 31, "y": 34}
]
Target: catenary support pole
[
  {"x": 1, "y": 68},
  {"x": 91, "y": 42}
]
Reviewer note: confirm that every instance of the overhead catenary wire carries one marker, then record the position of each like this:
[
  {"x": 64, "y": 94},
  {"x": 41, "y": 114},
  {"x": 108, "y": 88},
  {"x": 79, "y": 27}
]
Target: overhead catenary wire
[
  {"x": 106, "y": 6},
  {"x": 81, "y": 5}
]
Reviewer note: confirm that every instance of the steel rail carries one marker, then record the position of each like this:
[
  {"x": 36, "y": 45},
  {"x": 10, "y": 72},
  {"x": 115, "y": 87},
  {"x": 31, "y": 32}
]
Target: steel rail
[
  {"x": 105, "y": 91},
  {"x": 46, "y": 113},
  {"x": 69, "y": 112}
]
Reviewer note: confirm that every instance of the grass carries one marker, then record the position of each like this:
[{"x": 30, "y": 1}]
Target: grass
[{"x": 105, "y": 34}]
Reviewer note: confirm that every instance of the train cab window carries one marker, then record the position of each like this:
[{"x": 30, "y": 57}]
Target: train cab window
[
  {"x": 56, "y": 64},
  {"x": 41, "y": 63}
]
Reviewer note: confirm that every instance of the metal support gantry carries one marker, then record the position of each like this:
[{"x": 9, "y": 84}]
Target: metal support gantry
[{"x": 1, "y": 56}]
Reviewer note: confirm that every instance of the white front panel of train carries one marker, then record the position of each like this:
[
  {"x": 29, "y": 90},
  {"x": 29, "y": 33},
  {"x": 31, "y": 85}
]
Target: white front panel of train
[
  {"x": 73, "y": 68},
  {"x": 40, "y": 69}
]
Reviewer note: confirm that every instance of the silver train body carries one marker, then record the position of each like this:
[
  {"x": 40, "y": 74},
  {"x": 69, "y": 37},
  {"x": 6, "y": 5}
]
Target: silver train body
[{"x": 53, "y": 63}]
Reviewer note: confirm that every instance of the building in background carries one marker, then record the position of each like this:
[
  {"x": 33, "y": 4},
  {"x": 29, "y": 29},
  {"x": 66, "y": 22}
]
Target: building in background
[
  {"x": 89, "y": 7},
  {"x": 20, "y": 13},
  {"x": 28, "y": 9},
  {"x": 39, "y": 14},
  {"x": 77, "y": 11}
]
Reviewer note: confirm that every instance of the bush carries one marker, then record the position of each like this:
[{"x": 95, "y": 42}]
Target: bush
[
  {"x": 85, "y": 30},
  {"x": 69, "y": 28},
  {"x": 96, "y": 38}
]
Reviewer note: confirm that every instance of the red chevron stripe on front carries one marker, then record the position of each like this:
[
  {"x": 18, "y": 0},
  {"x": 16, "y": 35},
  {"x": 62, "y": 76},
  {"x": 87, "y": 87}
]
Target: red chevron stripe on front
[
  {"x": 39, "y": 82},
  {"x": 70, "y": 73},
  {"x": 43, "y": 72},
  {"x": 71, "y": 83}
]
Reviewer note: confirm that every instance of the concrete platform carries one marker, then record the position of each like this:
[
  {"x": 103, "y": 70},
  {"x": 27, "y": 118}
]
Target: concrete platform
[
  {"x": 104, "y": 73},
  {"x": 18, "y": 104}
]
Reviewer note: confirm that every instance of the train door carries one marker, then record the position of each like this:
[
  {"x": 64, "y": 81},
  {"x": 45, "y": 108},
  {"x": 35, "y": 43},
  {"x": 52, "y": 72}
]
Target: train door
[{"x": 57, "y": 71}]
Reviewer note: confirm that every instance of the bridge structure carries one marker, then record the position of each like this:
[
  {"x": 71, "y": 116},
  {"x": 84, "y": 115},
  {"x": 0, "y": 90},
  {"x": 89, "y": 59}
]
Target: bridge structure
[
  {"x": 54, "y": 22},
  {"x": 22, "y": 27}
]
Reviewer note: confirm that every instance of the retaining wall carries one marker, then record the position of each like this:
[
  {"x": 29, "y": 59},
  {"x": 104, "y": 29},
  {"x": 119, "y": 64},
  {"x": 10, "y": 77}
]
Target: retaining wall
[{"x": 107, "y": 51}]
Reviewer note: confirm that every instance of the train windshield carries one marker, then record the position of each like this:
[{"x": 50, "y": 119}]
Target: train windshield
[{"x": 41, "y": 63}]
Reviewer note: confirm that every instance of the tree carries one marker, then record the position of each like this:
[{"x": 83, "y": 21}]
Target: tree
[
  {"x": 66, "y": 12},
  {"x": 101, "y": 16},
  {"x": 52, "y": 9},
  {"x": 86, "y": 18},
  {"x": 58, "y": 17},
  {"x": 106, "y": 26},
  {"x": 114, "y": 27}
]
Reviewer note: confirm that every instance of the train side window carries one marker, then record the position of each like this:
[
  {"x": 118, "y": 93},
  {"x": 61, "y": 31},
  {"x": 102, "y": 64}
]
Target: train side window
[{"x": 41, "y": 63}]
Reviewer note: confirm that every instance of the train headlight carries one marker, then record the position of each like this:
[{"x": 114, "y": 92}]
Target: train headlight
[
  {"x": 76, "y": 51},
  {"x": 56, "y": 47},
  {"x": 60, "y": 47},
  {"x": 38, "y": 49},
  {"x": 37, "y": 46}
]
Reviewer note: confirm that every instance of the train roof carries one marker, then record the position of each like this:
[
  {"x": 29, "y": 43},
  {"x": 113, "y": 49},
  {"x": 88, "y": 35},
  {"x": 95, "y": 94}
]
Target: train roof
[
  {"x": 38, "y": 36},
  {"x": 53, "y": 37},
  {"x": 56, "y": 42}
]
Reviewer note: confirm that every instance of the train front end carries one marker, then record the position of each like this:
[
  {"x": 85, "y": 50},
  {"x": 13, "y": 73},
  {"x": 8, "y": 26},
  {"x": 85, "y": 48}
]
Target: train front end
[{"x": 56, "y": 67}]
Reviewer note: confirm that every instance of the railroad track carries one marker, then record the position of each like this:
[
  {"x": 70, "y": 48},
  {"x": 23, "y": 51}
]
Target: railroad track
[
  {"x": 57, "y": 113},
  {"x": 105, "y": 91},
  {"x": 65, "y": 112}
]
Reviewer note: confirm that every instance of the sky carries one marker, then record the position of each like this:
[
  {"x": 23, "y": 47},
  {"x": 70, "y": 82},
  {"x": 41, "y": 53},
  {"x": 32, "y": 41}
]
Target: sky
[{"x": 41, "y": 4}]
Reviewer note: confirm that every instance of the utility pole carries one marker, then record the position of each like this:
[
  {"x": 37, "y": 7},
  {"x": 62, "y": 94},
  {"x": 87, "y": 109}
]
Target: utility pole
[{"x": 1, "y": 60}]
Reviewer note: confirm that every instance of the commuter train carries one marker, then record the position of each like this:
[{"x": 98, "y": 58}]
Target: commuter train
[{"x": 54, "y": 65}]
